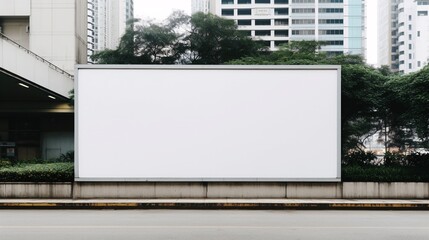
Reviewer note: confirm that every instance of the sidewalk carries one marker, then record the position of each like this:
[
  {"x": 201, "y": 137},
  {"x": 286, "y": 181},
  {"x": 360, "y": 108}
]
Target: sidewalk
[{"x": 252, "y": 204}]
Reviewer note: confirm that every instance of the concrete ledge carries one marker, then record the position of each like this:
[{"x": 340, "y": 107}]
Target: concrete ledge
[
  {"x": 314, "y": 190},
  {"x": 213, "y": 190},
  {"x": 404, "y": 190},
  {"x": 254, "y": 204},
  {"x": 383, "y": 190},
  {"x": 246, "y": 190},
  {"x": 113, "y": 190},
  {"x": 35, "y": 190}
]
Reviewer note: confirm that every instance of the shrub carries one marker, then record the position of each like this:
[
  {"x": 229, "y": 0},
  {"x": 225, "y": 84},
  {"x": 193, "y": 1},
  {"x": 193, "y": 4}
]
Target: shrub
[
  {"x": 358, "y": 173},
  {"x": 359, "y": 158},
  {"x": 48, "y": 172},
  {"x": 394, "y": 159},
  {"x": 67, "y": 157},
  {"x": 4, "y": 163},
  {"x": 418, "y": 160}
]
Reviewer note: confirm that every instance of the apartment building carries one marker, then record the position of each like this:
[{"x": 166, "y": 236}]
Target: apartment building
[
  {"x": 403, "y": 34},
  {"x": 204, "y": 6},
  {"x": 339, "y": 23},
  {"x": 107, "y": 22}
]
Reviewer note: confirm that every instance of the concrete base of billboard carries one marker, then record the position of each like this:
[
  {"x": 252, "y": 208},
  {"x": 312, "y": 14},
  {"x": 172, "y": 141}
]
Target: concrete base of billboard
[
  {"x": 105, "y": 190},
  {"x": 35, "y": 190}
]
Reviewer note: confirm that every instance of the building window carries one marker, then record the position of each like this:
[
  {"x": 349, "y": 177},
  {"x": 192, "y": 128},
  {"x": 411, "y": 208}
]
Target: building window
[
  {"x": 227, "y": 12},
  {"x": 262, "y": 1},
  {"x": 330, "y": 1},
  {"x": 409, "y": 27},
  {"x": 410, "y": 66},
  {"x": 331, "y": 32},
  {"x": 302, "y": 21},
  {"x": 302, "y": 1},
  {"x": 331, "y": 21},
  {"x": 281, "y": 33},
  {"x": 281, "y": 22},
  {"x": 262, "y": 33},
  {"x": 244, "y": 22},
  {"x": 227, "y": 1},
  {"x": 281, "y": 1},
  {"x": 244, "y": 1},
  {"x": 422, "y": 13},
  {"x": 244, "y": 11},
  {"x": 418, "y": 63},
  {"x": 263, "y": 22},
  {"x": 303, "y": 32},
  {"x": 335, "y": 42},
  {"x": 330, "y": 10},
  {"x": 418, "y": 33},
  {"x": 410, "y": 46},
  {"x": 303, "y": 10},
  {"x": 281, "y": 11},
  {"x": 410, "y": 37},
  {"x": 410, "y": 56},
  {"x": 410, "y": 17}
]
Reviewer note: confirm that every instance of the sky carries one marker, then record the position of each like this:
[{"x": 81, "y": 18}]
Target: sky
[{"x": 159, "y": 10}]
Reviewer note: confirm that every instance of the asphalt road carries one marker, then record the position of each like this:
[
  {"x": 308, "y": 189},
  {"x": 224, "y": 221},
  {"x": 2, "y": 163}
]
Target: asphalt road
[{"x": 212, "y": 224}]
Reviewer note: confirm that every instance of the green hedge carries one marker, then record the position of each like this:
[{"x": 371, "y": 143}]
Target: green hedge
[
  {"x": 356, "y": 173},
  {"x": 47, "y": 172},
  {"x": 64, "y": 172}
]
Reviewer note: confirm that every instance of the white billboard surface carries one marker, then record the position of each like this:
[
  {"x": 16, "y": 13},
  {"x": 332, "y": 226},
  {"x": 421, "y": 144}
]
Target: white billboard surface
[{"x": 207, "y": 123}]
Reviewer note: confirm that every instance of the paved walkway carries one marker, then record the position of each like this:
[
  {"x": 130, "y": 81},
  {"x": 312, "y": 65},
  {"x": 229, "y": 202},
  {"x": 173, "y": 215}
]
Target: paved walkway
[{"x": 328, "y": 204}]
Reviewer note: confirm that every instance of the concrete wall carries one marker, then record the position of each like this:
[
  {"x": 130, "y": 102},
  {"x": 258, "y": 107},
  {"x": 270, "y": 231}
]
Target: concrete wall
[
  {"x": 146, "y": 190},
  {"x": 57, "y": 29},
  {"x": 19, "y": 62},
  {"x": 17, "y": 29},
  {"x": 15, "y": 8},
  {"x": 35, "y": 190}
]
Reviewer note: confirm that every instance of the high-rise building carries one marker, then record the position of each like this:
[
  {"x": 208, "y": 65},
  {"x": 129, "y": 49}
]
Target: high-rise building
[
  {"x": 204, "y": 6},
  {"x": 403, "y": 34},
  {"x": 338, "y": 23},
  {"x": 107, "y": 22}
]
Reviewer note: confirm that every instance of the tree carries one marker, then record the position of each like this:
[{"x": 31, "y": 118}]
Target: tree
[
  {"x": 407, "y": 102},
  {"x": 200, "y": 39},
  {"x": 215, "y": 40},
  {"x": 148, "y": 43}
]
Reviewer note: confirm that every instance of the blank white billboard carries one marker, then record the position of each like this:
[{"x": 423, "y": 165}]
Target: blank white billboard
[{"x": 207, "y": 123}]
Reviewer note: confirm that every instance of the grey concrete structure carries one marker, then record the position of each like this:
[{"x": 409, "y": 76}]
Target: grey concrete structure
[
  {"x": 35, "y": 190},
  {"x": 213, "y": 190}
]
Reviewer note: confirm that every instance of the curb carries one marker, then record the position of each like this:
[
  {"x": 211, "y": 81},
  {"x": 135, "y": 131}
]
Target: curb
[{"x": 227, "y": 205}]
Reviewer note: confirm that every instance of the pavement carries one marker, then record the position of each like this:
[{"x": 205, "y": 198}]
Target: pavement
[{"x": 236, "y": 204}]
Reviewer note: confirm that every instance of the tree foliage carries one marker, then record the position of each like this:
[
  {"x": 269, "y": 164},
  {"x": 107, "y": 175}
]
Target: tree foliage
[
  {"x": 407, "y": 103},
  {"x": 215, "y": 40},
  {"x": 200, "y": 39}
]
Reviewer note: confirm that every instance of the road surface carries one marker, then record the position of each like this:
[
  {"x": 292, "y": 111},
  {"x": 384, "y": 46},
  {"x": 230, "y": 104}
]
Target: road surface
[{"x": 212, "y": 224}]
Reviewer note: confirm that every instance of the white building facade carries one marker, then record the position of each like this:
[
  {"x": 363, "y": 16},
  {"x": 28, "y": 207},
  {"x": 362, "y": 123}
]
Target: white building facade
[
  {"x": 54, "y": 30},
  {"x": 403, "y": 35},
  {"x": 41, "y": 41},
  {"x": 339, "y": 23},
  {"x": 204, "y": 6},
  {"x": 107, "y": 22}
]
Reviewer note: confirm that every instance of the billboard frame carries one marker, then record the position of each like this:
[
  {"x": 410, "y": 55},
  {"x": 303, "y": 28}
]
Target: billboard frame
[{"x": 208, "y": 67}]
